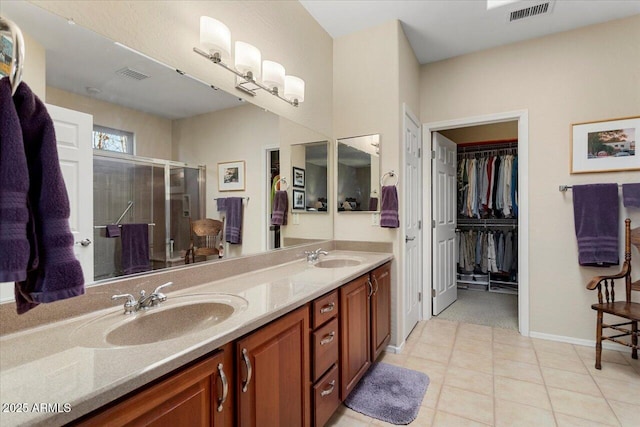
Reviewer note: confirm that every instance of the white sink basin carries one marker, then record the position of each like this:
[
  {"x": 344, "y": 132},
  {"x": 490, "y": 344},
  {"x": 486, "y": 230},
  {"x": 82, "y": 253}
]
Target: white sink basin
[
  {"x": 338, "y": 262},
  {"x": 177, "y": 317}
]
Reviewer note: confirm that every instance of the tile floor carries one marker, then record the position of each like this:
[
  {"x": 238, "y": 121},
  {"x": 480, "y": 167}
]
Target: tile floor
[{"x": 484, "y": 376}]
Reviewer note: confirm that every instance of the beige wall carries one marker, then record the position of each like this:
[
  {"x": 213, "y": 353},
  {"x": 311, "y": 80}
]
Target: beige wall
[
  {"x": 581, "y": 75},
  {"x": 152, "y": 133},
  {"x": 226, "y": 136},
  {"x": 33, "y": 72},
  {"x": 282, "y": 30}
]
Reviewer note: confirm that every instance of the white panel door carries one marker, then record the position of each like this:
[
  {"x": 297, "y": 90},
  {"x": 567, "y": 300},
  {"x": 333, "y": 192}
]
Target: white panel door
[
  {"x": 412, "y": 222},
  {"x": 73, "y": 134},
  {"x": 444, "y": 215}
]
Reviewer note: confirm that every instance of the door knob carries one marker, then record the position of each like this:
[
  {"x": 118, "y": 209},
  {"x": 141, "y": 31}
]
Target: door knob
[{"x": 85, "y": 242}]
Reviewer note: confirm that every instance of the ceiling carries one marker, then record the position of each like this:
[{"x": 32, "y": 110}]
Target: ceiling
[{"x": 440, "y": 29}]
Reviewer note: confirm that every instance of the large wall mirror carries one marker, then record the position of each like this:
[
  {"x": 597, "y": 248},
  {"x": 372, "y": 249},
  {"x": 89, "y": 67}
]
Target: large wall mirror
[
  {"x": 160, "y": 139},
  {"x": 358, "y": 174}
]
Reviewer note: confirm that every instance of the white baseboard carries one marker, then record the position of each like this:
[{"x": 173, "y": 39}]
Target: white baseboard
[
  {"x": 577, "y": 341},
  {"x": 395, "y": 349}
]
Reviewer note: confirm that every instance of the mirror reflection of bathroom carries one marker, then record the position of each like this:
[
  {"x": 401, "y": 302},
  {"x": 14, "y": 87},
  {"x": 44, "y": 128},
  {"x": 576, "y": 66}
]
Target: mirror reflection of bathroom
[
  {"x": 358, "y": 174},
  {"x": 310, "y": 162}
]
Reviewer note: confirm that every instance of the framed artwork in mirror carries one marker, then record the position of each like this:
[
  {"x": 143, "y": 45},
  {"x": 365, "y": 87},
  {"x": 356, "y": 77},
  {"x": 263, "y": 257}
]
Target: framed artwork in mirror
[
  {"x": 298, "y": 177},
  {"x": 231, "y": 176},
  {"x": 298, "y": 199},
  {"x": 605, "y": 145}
]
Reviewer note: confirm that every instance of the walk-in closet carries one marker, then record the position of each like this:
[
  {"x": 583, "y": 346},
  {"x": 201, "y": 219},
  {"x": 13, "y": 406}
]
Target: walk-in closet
[{"x": 486, "y": 225}]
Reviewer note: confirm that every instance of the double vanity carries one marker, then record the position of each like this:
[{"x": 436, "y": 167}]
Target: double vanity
[{"x": 281, "y": 345}]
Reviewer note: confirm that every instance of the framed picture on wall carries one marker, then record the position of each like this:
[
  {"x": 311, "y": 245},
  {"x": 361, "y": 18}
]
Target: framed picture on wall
[
  {"x": 605, "y": 145},
  {"x": 231, "y": 176},
  {"x": 298, "y": 177},
  {"x": 298, "y": 199}
]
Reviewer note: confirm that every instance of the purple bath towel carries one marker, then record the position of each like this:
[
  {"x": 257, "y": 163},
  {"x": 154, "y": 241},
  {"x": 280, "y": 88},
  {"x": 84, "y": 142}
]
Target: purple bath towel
[
  {"x": 389, "y": 207},
  {"x": 595, "y": 212},
  {"x": 233, "y": 227},
  {"x": 14, "y": 185},
  {"x": 221, "y": 204},
  {"x": 631, "y": 195},
  {"x": 280, "y": 208},
  {"x": 53, "y": 273},
  {"x": 135, "y": 248}
]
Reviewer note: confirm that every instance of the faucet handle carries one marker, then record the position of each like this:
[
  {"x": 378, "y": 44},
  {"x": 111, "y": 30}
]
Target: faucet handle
[
  {"x": 157, "y": 291},
  {"x": 129, "y": 305}
]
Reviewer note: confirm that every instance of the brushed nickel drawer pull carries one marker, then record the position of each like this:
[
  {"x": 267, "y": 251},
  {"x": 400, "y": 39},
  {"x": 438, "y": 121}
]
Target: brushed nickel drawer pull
[
  {"x": 247, "y": 363},
  {"x": 225, "y": 387},
  {"x": 327, "y": 338},
  {"x": 327, "y": 308},
  {"x": 370, "y": 288},
  {"x": 328, "y": 391}
]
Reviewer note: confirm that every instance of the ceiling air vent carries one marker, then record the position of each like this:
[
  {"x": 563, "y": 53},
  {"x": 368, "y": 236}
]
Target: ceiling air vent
[
  {"x": 132, "y": 74},
  {"x": 531, "y": 11}
]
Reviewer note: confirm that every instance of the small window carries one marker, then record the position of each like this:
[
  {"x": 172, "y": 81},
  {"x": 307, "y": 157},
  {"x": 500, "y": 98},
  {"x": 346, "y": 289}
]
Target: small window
[{"x": 115, "y": 140}]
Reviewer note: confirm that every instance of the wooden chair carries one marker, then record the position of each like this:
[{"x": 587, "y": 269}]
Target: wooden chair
[
  {"x": 206, "y": 239},
  {"x": 624, "y": 309}
]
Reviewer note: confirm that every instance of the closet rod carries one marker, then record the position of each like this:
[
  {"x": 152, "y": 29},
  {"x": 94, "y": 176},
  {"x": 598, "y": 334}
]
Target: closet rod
[
  {"x": 487, "y": 148},
  {"x": 564, "y": 188}
]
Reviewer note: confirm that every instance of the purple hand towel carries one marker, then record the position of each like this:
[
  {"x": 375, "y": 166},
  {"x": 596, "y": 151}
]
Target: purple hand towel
[
  {"x": 631, "y": 195},
  {"x": 280, "y": 208},
  {"x": 595, "y": 212},
  {"x": 221, "y": 204},
  {"x": 233, "y": 227},
  {"x": 373, "y": 204},
  {"x": 135, "y": 248},
  {"x": 113, "y": 230},
  {"x": 389, "y": 207},
  {"x": 54, "y": 272},
  {"x": 14, "y": 186}
]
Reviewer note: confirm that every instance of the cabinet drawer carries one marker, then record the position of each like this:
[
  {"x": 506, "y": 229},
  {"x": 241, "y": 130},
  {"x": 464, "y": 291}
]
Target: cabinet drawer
[
  {"x": 325, "y": 348},
  {"x": 326, "y": 397},
  {"x": 324, "y": 308}
]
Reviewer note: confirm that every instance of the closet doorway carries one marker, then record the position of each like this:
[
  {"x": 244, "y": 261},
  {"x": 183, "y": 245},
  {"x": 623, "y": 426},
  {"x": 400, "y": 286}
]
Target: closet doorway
[{"x": 477, "y": 215}]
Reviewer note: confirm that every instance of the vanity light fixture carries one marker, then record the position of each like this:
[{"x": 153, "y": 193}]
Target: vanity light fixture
[{"x": 252, "y": 73}]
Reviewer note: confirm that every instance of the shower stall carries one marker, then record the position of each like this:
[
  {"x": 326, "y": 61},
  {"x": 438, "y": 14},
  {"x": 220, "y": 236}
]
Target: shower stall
[{"x": 164, "y": 194}]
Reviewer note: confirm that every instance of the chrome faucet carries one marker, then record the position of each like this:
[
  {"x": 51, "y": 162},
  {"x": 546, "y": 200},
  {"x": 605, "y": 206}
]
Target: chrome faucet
[
  {"x": 313, "y": 256},
  {"x": 145, "y": 302}
]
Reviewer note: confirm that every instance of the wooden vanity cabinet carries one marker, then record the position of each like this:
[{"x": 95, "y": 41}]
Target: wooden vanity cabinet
[
  {"x": 190, "y": 397},
  {"x": 380, "y": 310},
  {"x": 273, "y": 373}
]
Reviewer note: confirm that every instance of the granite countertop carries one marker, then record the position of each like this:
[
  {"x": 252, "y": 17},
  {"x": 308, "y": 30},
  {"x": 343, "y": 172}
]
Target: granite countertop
[{"x": 48, "y": 365}]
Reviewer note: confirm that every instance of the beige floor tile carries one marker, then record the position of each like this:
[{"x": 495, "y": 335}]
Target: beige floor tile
[
  {"x": 511, "y": 414},
  {"x": 581, "y": 405},
  {"x": 564, "y": 420},
  {"x": 518, "y": 354},
  {"x": 566, "y": 380},
  {"x": 517, "y": 370},
  {"x": 432, "y": 395},
  {"x": 348, "y": 412},
  {"x": 444, "y": 419},
  {"x": 467, "y": 379},
  {"x": 441, "y": 323},
  {"x": 340, "y": 420},
  {"x": 635, "y": 363},
  {"x": 588, "y": 355},
  {"x": 522, "y": 392},
  {"x": 566, "y": 362},
  {"x": 623, "y": 391},
  {"x": 553, "y": 346},
  {"x": 433, "y": 369},
  {"x": 616, "y": 371},
  {"x": 511, "y": 338},
  {"x": 628, "y": 414},
  {"x": 397, "y": 359},
  {"x": 474, "y": 346},
  {"x": 477, "y": 332},
  {"x": 467, "y": 404},
  {"x": 433, "y": 352},
  {"x": 442, "y": 337},
  {"x": 472, "y": 361}
]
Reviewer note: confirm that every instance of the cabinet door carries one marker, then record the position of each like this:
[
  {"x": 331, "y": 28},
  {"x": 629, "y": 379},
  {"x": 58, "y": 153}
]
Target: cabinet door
[
  {"x": 273, "y": 378},
  {"x": 380, "y": 310},
  {"x": 187, "y": 398},
  {"x": 354, "y": 333}
]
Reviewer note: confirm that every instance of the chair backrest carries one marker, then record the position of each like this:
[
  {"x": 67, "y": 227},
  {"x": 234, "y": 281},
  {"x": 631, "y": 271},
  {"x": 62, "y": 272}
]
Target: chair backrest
[
  {"x": 206, "y": 236},
  {"x": 631, "y": 237},
  {"x": 634, "y": 239}
]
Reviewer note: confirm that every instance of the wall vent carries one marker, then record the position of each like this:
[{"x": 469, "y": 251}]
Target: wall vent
[
  {"x": 531, "y": 11},
  {"x": 132, "y": 74}
]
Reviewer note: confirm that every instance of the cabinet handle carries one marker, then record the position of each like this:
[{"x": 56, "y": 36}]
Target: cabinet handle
[
  {"x": 329, "y": 390},
  {"x": 327, "y": 338},
  {"x": 247, "y": 363},
  {"x": 327, "y": 308},
  {"x": 370, "y": 288},
  {"x": 377, "y": 285},
  {"x": 225, "y": 387}
]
